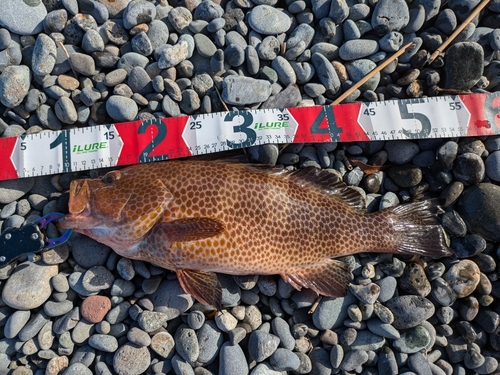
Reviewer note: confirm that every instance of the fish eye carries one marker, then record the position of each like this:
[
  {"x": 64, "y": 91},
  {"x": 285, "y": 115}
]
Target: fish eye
[{"x": 110, "y": 177}]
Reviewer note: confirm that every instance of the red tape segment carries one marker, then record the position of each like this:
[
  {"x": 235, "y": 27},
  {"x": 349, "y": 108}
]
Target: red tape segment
[{"x": 169, "y": 138}]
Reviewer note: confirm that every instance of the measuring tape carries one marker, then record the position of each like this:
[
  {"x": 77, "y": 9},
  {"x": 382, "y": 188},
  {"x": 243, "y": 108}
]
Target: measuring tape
[{"x": 51, "y": 152}]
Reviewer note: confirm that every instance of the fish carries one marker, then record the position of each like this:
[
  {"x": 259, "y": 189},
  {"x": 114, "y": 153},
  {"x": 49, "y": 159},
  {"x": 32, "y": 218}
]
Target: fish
[{"x": 199, "y": 218}]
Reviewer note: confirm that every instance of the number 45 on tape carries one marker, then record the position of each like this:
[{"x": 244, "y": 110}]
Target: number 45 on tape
[{"x": 51, "y": 152}]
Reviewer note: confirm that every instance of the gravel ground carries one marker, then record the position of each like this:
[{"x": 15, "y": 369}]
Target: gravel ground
[{"x": 83, "y": 309}]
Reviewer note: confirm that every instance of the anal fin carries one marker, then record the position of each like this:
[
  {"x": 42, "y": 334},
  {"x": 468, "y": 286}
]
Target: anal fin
[
  {"x": 191, "y": 229},
  {"x": 204, "y": 286},
  {"x": 329, "y": 278}
]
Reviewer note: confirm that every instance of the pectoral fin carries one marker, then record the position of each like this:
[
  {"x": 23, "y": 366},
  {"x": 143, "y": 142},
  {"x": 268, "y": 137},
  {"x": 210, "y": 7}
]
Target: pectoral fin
[
  {"x": 330, "y": 278},
  {"x": 192, "y": 229},
  {"x": 204, "y": 286}
]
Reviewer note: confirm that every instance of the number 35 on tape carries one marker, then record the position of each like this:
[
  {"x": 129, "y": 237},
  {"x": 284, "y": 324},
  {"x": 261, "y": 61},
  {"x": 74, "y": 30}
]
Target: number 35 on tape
[{"x": 101, "y": 146}]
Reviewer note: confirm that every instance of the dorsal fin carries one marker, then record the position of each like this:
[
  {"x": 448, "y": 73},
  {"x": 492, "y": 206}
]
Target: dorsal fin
[
  {"x": 318, "y": 179},
  {"x": 328, "y": 183}
]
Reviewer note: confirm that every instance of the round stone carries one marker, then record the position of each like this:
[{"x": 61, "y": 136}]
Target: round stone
[
  {"x": 357, "y": 49},
  {"x": 358, "y": 69},
  {"x": 138, "y": 12},
  {"x": 23, "y": 17},
  {"x": 463, "y": 277},
  {"x": 262, "y": 345},
  {"x": 463, "y": 74},
  {"x": 121, "y": 108},
  {"x": 492, "y": 165},
  {"x": 410, "y": 311},
  {"x": 29, "y": 285},
  {"x": 95, "y": 308},
  {"x": 131, "y": 359},
  {"x": 413, "y": 340},
  {"x": 106, "y": 343},
  {"x": 268, "y": 20},
  {"x": 390, "y": 15},
  {"x": 477, "y": 206},
  {"x": 14, "y": 84},
  {"x": 65, "y": 110}
]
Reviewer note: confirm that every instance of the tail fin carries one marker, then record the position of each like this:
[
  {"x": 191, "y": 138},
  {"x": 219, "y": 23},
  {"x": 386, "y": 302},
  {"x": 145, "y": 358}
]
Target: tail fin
[{"x": 417, "y": 230}]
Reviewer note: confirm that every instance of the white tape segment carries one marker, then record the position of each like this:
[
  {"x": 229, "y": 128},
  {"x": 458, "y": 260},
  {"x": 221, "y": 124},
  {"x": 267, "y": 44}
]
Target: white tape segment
[{"x": 51, "y": 152}]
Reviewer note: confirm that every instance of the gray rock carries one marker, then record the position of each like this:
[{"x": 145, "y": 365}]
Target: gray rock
[
  {"x": 358, "y": 69},
  {"x": 204, "y": 45},
  {"x": 173, "y": 55},
  {"x": 339, "y": 10},
  {"x": 97, "y": 278},
  {"x": 268, "y": 20},
  {"x": 390, "y": 15},
  {"x": 286, "y": 74},
  {"x": 138, "y": 337},
  {"x": 106, "y": 343},
  {"x": 171, "y": 299},
  {"x": 53, "y": 309},
  {"x": 365, "y": 340},
  {"x": 33, "y": 327},
  {"x": 238, "y": 90},
  {"x": 12, "y": 190},
  {"x": 82, "y": 64},
  {"x": 409, "y": 311},
  {"x": 137, "y": 12},
  {"x": 357, "y": 49},
  {"x": 492, "y": 165},
  {"x": 5, "y": 39},
  {"x": 326, "y": 73},
  {"x": 210, "y": 340},
  {"x": 65, "y": 110},
  {"x": 131, "y": 359},
  {"x": 15, "y": 323},
  {"x": 469, "y": 169},
  {"x": 186, "y": 343},
  {"x": 132, "y": 59},
  {"x": 23, "y": 17},
  {"x": 92, "y": 41},
  {"x": 353, "y": 359},
  {"x": 180, "y": 18},
  {"x": 262, "y": 345},
  {"x": 77, "y": 369},
  {"x": 232, "y": 360},
  {"x": 14, "y": 85},
  {"x": 284, "y": 360},
  {"x": 29, "y": 285},
  {"x": 413, "y": 340},
  {"x": 464, "y": 75},
  {"x": 331, "y": 312},
  {"x": 120, "y": 108},
  {"x": 380, "y": 328},
  {"x": 44, "y": 55}
]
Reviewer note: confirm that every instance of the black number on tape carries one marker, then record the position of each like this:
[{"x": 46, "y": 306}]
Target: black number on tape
[
  {"x": 243, "y": 128},
  {"x": 193, "y": 125},
  {"x": 423, "y": 119},
  {"x": 455, "y": 106},
  {"x": 63, "y": 140},
  {"x": 160, "y": 136},
  {"x": 283, "y": 117},
  {"x": 333, "y": 129}
]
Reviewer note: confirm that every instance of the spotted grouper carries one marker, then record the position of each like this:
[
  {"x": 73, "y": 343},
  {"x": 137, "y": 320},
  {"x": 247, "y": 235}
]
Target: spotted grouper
[{"x": 198, "y": 218}]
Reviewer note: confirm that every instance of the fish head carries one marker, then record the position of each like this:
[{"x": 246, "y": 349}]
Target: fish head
[{"x": 118, "y": 209}]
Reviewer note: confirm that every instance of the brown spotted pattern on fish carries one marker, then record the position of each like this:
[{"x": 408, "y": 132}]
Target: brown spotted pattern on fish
[{"x": 198, "y": 217}]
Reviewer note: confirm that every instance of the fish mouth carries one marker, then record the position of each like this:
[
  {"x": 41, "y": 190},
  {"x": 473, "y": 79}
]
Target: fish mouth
[
  {"x": 77, "y": 222},
  {"x": 79, "y": 216}
]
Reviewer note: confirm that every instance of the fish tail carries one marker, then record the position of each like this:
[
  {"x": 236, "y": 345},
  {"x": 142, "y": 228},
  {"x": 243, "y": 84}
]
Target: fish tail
[{"x": 416, "y": 229}]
